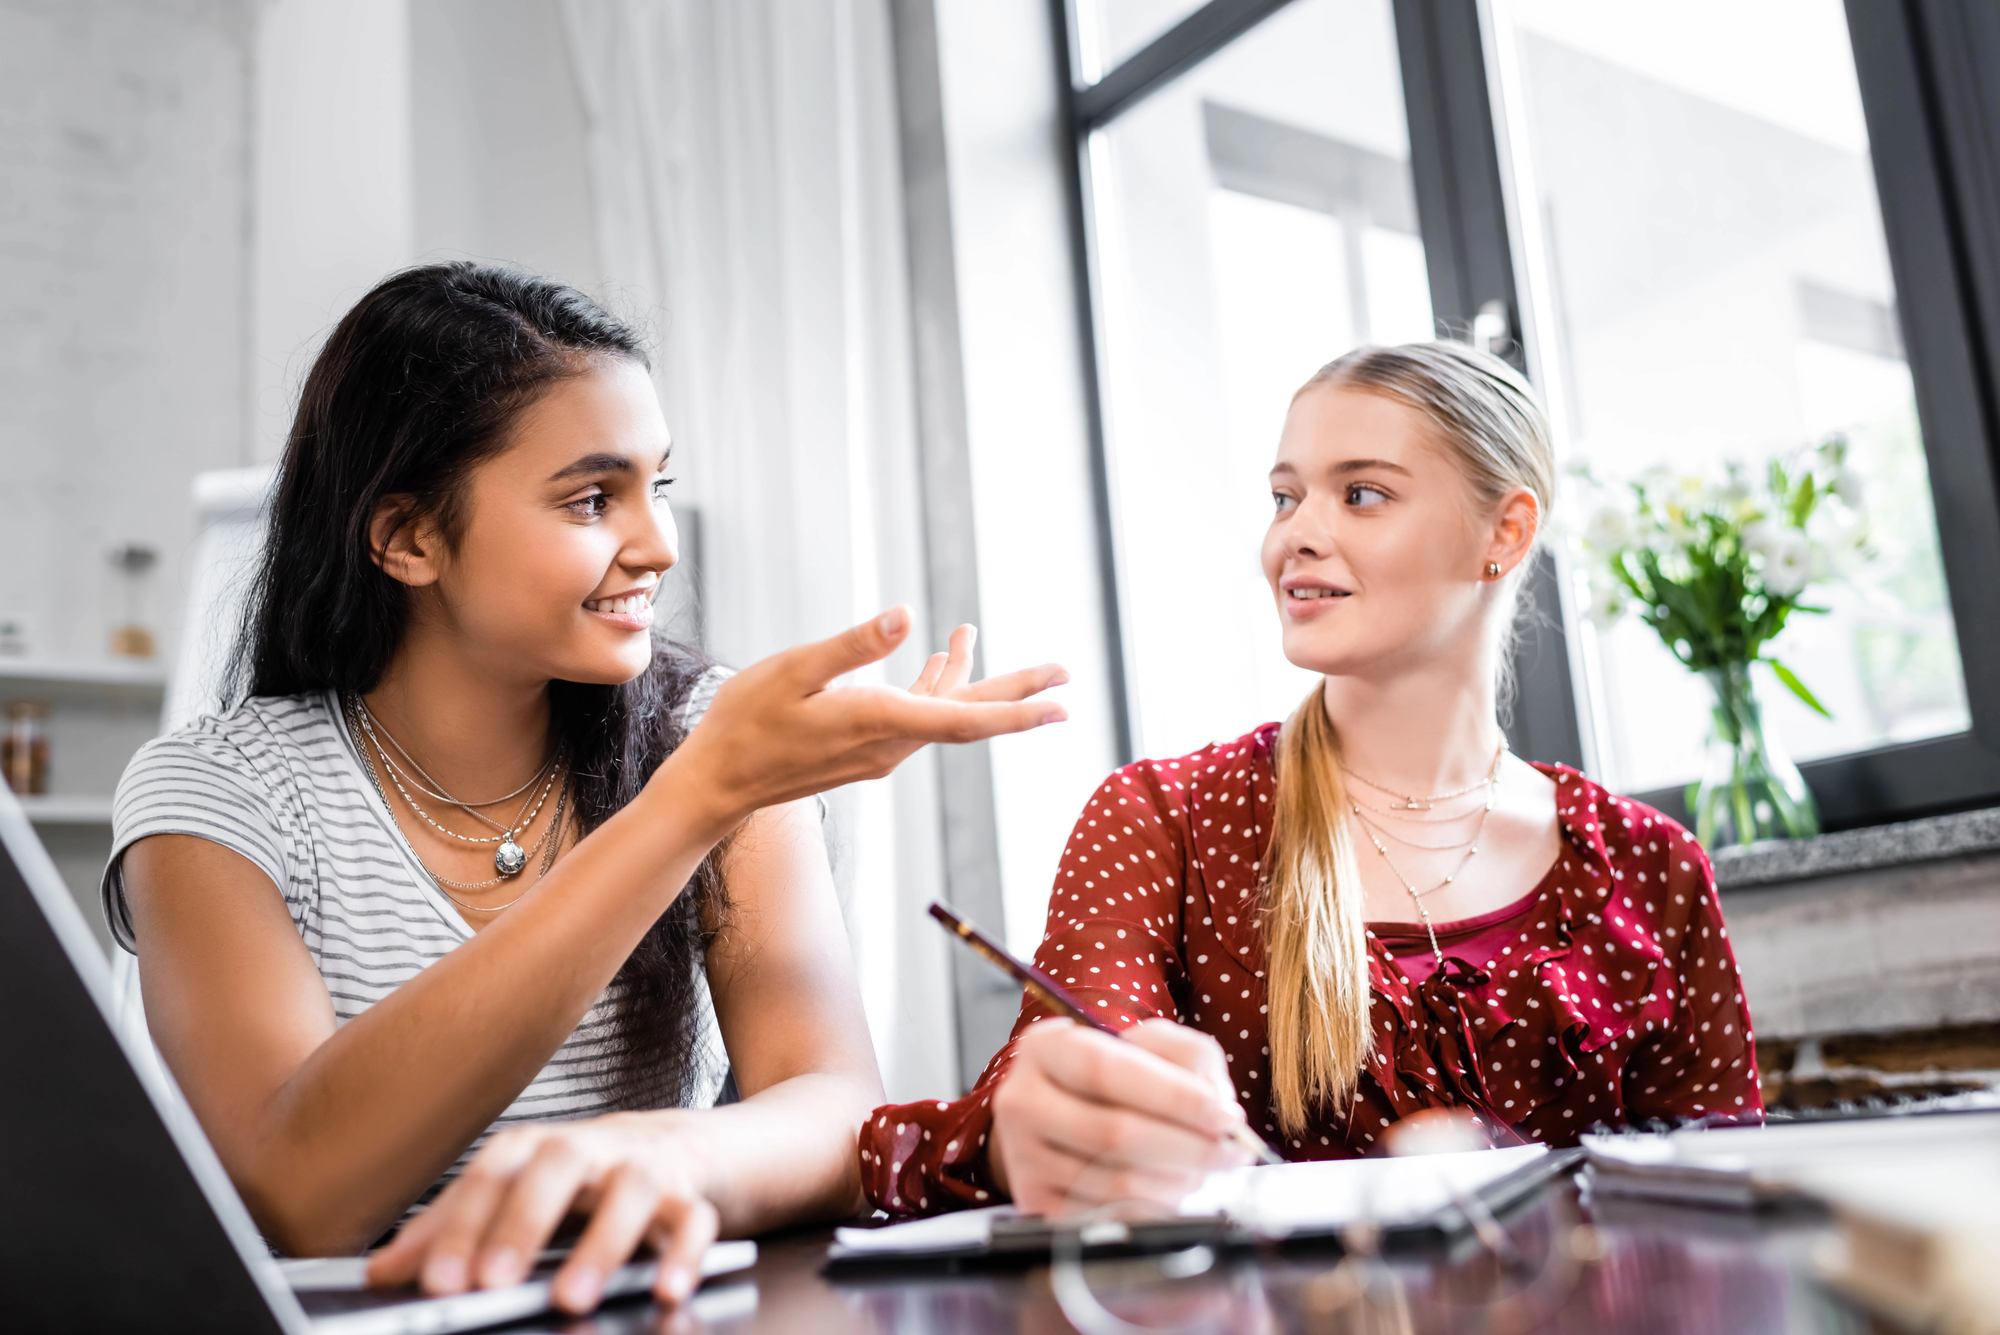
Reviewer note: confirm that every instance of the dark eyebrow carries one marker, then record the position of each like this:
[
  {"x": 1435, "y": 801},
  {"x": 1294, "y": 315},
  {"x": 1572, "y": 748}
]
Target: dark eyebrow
[{"x": 592, "y": 464}]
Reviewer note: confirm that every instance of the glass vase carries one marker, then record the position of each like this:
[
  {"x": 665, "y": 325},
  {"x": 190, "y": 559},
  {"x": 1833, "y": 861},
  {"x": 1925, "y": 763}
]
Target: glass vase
[{"x": 1749, "y": 789}]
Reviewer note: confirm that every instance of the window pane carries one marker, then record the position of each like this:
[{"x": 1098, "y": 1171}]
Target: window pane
[
  {"x": 1255, "y": 220},
  {"x": 1109, "y": 31},
  {"x": 1717, "y": 288}
]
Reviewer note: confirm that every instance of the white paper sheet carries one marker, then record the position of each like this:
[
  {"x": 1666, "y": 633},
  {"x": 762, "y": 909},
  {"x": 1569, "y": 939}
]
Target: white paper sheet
[
  {"x": 1318, "y": 1197},
  {"x": 1277, "y": 1201},
  {"x": 959, "y": 1228}
]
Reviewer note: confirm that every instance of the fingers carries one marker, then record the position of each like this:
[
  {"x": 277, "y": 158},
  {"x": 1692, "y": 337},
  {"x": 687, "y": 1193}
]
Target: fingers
[
  {"x": 624, "y": 1213},
  {"x": 398, "y": 1264},
  {"x": 814, "y": 665},
  {"x": 927, "y": 680},
  {"x": 1125, "y": 1074},
  {"x": 683, "y": 1228},
  {"x": 528, "y": 1213},
  {"x": 1063, "y": 1152},
  {"x": 1016, "y": 685},
  {"x": 1190, "y": 1049},
  {"x": 919, "y": 718},
  {"x": 457, "y": 1218},
  {"x": 958, "y": 662}
]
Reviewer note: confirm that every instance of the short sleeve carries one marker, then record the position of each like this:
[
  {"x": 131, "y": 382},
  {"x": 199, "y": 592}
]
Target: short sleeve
[{"x": 198, "y": 783}]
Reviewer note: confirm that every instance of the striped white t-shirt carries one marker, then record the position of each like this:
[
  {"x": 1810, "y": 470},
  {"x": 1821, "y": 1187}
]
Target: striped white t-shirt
[{"x": 280, "y": 781}]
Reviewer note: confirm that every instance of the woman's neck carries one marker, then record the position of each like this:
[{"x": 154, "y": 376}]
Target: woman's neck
[
  {"x": 475, "y": 730},
  {"x": 1427, "y": 731}
]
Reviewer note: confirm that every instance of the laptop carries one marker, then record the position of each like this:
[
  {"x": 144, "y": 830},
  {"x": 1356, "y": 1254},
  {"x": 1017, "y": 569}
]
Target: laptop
[{"x": 115, "y": 1213}]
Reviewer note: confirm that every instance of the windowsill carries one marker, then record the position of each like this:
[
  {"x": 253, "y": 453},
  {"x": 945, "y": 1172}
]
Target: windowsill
[{"x": 1778, "y": 861}]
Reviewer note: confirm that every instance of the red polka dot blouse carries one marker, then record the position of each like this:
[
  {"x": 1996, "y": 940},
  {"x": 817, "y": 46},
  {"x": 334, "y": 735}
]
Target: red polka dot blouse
[{"x": 1618, "y": 1001}]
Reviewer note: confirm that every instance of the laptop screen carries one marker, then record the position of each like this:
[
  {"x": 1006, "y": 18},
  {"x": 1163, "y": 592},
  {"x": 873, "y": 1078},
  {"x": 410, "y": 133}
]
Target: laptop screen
[{"x": 103, "y": 1224}]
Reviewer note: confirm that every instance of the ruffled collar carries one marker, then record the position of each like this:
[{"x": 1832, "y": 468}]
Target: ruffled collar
[{"x": 1587, "y": 977}]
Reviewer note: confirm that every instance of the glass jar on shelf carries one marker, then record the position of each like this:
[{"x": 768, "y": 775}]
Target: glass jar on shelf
[
  {"x": 24, "y": 747},
  {"x": 130, "y": 635}
]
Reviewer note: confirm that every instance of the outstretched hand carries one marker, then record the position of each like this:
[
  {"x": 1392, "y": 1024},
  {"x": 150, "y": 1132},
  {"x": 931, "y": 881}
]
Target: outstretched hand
[{"x": 781, "y": 730}]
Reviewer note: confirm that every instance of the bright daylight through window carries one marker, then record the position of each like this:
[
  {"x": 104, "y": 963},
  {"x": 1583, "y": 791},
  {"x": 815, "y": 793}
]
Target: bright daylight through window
[
  {"x": 1714, "y": 286},
  {"x": 1255, "y": 219}
]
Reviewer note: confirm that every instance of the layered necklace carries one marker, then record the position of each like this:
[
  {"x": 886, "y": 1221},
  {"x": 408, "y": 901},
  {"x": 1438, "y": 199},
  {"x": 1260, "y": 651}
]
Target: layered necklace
[
  {"x": 509, "y": 858},
  {"x": 1411, "y": 803}
]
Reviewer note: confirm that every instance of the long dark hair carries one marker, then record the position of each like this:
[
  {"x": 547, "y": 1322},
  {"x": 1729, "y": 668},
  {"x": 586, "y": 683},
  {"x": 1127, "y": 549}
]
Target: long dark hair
[{"x": 416, "y": 386}]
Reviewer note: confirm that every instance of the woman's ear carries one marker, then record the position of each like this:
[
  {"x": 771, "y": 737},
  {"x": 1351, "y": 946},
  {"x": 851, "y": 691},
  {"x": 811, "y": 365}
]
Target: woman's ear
[
  {"x": 405, "y": 546},
  {"x": 1515, "y": 524}
]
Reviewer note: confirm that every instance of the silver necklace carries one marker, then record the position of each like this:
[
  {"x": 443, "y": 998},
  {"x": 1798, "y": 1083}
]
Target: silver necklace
[
  {"x": 548, "y": 859},
  {"x": 509, "y": 857},
  {"x": 1411, "y": 802},
  {"x": 1416, "y": 895},
  {"x": 470, "y": 808}
]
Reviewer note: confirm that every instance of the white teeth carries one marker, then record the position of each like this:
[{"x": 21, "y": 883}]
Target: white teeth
[
  {"x": 629, "y": 605},
  {"x": 1314, "y": 593}
]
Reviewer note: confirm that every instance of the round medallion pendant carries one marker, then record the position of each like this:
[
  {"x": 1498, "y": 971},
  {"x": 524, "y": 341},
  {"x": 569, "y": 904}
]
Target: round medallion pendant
[{"x": 509, "y": 858}]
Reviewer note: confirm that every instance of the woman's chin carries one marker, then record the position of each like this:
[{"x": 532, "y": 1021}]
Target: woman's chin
[
  {"x": 1328, "y": 655},
  {"x": 611, "y": 667}
]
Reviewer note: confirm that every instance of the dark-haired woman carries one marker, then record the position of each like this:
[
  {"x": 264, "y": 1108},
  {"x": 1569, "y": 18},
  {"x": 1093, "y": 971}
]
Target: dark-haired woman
[
  {"x": 458, "y": 903},
  {"x": 1375, "y": 910}
]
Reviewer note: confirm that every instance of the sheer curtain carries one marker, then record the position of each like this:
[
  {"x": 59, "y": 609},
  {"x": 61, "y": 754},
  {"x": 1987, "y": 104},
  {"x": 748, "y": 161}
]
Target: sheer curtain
[{"x": 748, "y": 195}]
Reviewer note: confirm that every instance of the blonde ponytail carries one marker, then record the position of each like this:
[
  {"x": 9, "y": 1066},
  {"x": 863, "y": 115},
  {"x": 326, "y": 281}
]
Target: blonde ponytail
[
  {"x": 1317, "y": 982},
  {"x": 1487, "y": 420}
]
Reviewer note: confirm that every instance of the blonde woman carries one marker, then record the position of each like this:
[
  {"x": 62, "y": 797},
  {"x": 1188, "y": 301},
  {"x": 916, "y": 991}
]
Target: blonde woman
[{"x": 1374, "y": 909}]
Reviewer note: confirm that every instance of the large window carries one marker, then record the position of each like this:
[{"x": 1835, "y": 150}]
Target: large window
[
  {"x": 1254, "y": 220},
  {"x": 1685, "y": 207},
  {"x": 1717, "y": 287}
]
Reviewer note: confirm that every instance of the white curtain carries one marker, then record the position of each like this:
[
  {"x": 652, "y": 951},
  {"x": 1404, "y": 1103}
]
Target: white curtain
[{"x": 748, "y": 197}]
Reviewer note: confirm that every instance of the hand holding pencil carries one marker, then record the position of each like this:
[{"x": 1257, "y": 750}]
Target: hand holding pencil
[{"x": 1078, "y": 1118}]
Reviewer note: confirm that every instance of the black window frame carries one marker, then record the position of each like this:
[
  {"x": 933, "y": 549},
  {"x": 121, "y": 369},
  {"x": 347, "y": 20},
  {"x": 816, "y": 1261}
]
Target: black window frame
[{"x": 1934, "y": 131}]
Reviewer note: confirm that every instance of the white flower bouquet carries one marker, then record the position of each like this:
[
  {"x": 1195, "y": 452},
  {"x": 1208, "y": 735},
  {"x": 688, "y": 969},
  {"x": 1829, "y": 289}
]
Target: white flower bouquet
[{"x": 1717, "y": 566}]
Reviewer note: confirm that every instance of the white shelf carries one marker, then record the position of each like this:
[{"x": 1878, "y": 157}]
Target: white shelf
[
  {"x": 67, "y": 809},
  {"x": 128, "y": 674}
]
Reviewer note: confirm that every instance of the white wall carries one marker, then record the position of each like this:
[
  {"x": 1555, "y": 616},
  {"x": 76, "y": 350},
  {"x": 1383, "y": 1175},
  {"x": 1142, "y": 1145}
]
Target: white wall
[
  {"x": 124, "y": 132},
  {"x": 332, "y": 182},
  {"x": 497, "y": 151}
]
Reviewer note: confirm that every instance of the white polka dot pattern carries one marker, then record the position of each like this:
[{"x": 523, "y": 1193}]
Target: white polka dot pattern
[{"x": 1618, "y": 1004}]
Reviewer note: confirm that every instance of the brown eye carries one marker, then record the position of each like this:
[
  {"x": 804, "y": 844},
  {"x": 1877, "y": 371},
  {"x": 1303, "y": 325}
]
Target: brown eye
[{"x": 1361, "y": 496}]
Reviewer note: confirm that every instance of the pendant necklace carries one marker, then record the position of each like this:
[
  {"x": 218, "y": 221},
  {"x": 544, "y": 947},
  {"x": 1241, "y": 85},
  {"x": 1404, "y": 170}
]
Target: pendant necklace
[
  {"x": 509, "y": 857},
  {"x": 549, "y": 835}
]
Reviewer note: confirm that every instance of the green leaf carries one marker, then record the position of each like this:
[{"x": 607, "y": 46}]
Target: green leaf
[{"x": 1798, "y": 688}]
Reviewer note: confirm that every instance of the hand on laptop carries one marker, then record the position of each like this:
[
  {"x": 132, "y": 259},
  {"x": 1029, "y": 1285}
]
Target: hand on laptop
[{"x": 487, "y": 1229}]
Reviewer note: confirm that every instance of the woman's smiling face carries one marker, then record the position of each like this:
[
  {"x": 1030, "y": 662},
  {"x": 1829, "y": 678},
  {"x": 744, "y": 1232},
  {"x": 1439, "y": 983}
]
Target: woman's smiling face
[
  {"x": 1377, "y": 550},
  {"x": 566, "y": 535}
]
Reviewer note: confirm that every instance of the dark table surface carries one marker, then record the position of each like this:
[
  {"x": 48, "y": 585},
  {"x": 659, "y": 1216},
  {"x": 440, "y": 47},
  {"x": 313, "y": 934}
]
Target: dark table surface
[{"x": 1621, "y": 1267}]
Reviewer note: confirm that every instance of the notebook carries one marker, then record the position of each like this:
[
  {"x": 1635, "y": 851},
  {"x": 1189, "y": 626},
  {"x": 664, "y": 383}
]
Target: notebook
[{"x": 1410, "y": 1199}]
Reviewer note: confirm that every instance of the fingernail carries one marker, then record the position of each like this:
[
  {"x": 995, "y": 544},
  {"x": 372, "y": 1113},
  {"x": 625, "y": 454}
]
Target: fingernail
[
  {"x": 1057, "y": 678},
  {"x": 1053, "y": 716},
  {"x": 500, "y": 1267},
  {"x": 444, "y": 1274},
  {"x": 892, "y": 621},
  {"x": 580, "y": 1288},
  {"x": 679, "y": 1282}
]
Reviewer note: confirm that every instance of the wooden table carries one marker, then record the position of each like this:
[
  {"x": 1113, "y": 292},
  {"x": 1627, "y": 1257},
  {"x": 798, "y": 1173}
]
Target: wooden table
[{"x": 1623, "y": 1268}]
